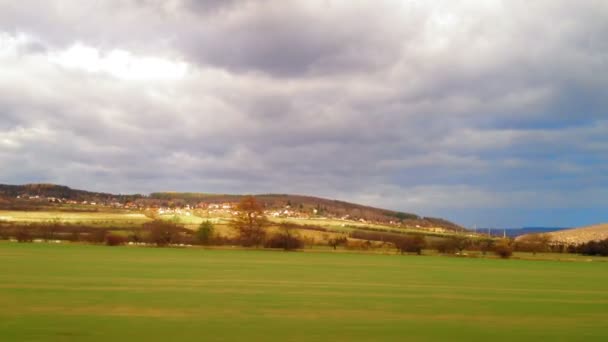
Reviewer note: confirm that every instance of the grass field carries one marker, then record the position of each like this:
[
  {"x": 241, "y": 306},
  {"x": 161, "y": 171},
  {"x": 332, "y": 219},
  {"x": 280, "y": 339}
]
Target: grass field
[
  {"x": 101, "y": 218},
  {"x": 96, "y": 293}
]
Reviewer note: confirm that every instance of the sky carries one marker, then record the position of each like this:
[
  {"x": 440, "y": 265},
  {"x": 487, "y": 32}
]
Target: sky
[{"x": 487, "y": 113}]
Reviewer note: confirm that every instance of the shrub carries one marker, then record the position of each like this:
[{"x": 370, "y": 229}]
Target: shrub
[
  {"x": 374, "y": 236},
  {"x": 484, "y": 245},
  {"x": 97, "y": 236},
  {"x": 286, "y": 242},
  {"x": 358, "y": 244},
  {"x": 445, "y": 246},
  {"x": 411, "y": 244},
  {"x": 115, "y": 240},
  {"x": 23, "y": 235},
  {"x": 163, "y": 233},
  {"x": 204, "y": 234},
  {"x": 503, "y": 249},
  {"x": 337, "y": 241},
  {"x": 286, "y": 238},
  {"x": 533, "y": 243},
  {"x": 594, "y": 248}
]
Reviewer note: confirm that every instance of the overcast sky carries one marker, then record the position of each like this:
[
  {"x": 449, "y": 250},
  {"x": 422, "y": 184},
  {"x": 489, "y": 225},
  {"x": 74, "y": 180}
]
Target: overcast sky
[{"x": 492, "y": 113}]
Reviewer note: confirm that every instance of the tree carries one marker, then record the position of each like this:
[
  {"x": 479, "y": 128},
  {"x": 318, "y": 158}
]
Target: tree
[
  {"x": 451, "y": 244},
  {"x": 503, "y": 249},
  {"x": 411, "y": 244},
  {"x": 115, "y": 240},
  {"x": 445, "y": 246},
  {"x": 593, "y": 248},
  {"x": 485, "y": 245},
  {"x": 461, "y": 243},
  {"x": 336, "y": 241},
  {"x": 534, "y": 243},
  {"x": 286, "y": 238},
  {"x": 24, "y": 234},
  {"x": 163, "y": 233},
  {"x": 250, "y": 222},
  {"x": 204, "y": 234},
  {"x": 50, "y": 229}
]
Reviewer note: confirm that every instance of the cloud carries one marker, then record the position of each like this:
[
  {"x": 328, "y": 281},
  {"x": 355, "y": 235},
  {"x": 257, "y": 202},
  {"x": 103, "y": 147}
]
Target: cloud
[{"x": 449, "y": 108}]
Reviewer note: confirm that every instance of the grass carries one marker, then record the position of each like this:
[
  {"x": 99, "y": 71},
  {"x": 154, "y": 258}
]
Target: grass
[
  {"x": 96, "y": 293},
  {"x": 335, "y": 224},
  {"x": 102, "y": 218}
]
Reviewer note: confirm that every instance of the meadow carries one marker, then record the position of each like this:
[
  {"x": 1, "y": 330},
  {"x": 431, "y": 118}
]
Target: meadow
[
  {"x": 73, "y": 292},
  {"x": 100, "y": 218}
]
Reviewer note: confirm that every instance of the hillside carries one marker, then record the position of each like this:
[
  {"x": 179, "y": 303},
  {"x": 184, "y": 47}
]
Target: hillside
[
  {"x": 57, "y": 191},
  {"x": 581, "y": 235},
  {"x": 515, "y": 232},
  {"x": 309, "y": 205}
]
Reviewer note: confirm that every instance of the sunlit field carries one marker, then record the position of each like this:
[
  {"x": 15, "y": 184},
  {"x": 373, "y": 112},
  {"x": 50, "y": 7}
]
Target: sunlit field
[
  {"x": 117, "y": 218},
  {"x": 71, "y": 292},
  {"x": 97, "y": 218}
]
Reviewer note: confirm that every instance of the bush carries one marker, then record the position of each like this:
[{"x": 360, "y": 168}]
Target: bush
[
  {"x": 375, "y": 236},
  {"x": 115, "y": 240},
  {"x": 336, "y": 241},
  {"x": 23, "y": 235},
  {"x": 97, "y": 236},
  {"x": 594, "y": 248},
  {"x": 453, "y": 244},
  {"x": 163, "y": 233},
  {"x": 503, "y": 249},
  {"x": 411, "y": 244},
  {"x": 204, "y": 234},
  {"x": 287, "y": 239},
  {"x": 445, "y": 246},
  {"x": 533, "y": 243},
  {"x": 358, "y": 244},
  {"x": 286, "y": 242},
  {"x": 484, "y": 245}
]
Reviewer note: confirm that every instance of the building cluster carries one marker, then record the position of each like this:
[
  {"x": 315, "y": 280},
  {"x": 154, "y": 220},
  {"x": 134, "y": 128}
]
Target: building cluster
[
  {"x": 114, "y": 203},
  {"x": 162, "y": 207}
]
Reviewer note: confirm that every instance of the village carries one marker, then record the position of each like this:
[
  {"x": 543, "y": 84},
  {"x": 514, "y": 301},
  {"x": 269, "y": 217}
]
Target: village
[
  {"x": 178, "y": 208},
  {"x": 156, "y": 207}
]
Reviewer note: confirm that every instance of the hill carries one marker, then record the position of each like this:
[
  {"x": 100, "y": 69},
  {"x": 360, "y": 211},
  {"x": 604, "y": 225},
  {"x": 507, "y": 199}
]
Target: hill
[
  {"x": 295, "y": 203},
  {"x": 56, "y": 191},
  {"x": 515, "y": 232},
  {"x": 581, "y": 235}
]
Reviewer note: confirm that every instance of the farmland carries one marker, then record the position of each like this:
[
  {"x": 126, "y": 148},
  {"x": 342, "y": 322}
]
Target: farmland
[
  {"x": 94, "y": 293},
  {"x": 118, "y": 219},
  {"x": 96, "y": 218}
]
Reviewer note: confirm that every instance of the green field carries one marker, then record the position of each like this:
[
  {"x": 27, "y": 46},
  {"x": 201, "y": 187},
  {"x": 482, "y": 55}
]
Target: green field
[{"x": 71, "y": 292}]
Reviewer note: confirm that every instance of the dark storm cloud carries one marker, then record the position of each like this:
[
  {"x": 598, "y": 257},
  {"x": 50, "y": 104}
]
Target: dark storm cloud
[{"x": 448, "y": 107}]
